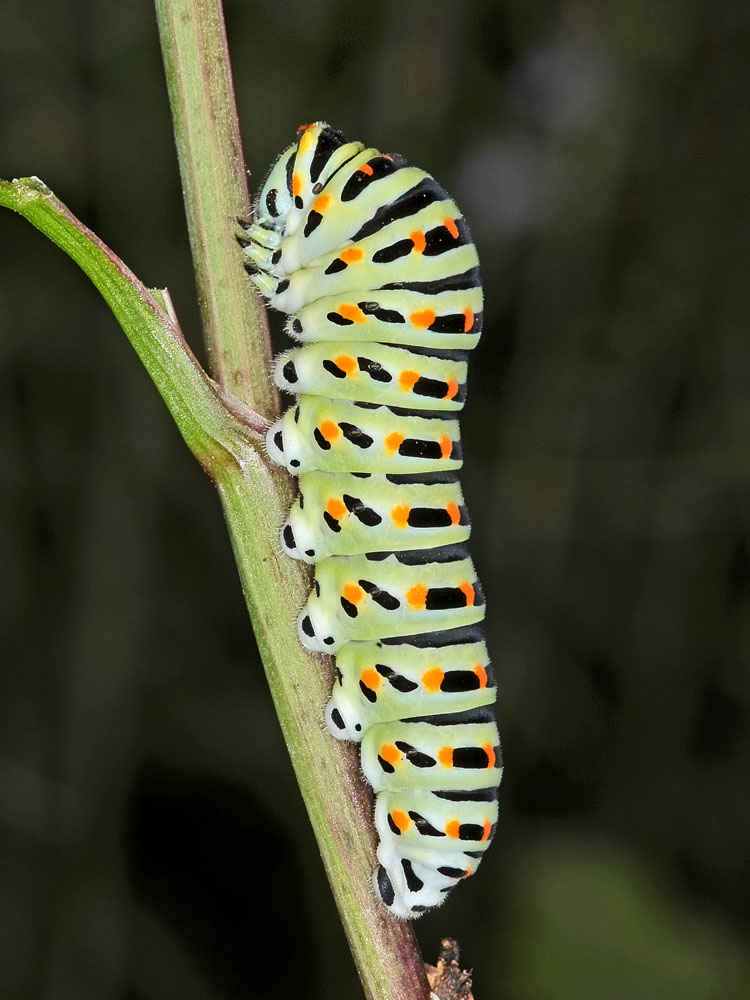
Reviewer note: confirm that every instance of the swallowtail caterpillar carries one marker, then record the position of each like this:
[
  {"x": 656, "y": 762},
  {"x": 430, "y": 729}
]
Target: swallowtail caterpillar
[{"x": 375, "y": 266}]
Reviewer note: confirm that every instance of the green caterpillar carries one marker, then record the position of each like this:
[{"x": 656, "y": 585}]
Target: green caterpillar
[{"x": 375, "y": 266}]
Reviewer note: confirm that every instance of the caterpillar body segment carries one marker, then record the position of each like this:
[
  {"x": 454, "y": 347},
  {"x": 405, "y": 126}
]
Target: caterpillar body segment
[
  {"x": 448, "y": 319},
  {"x": 407, "y": 677},
  {"x": 330, "y": 229},
  {"x": 429, "y": 843},
  {"x": 342, "y": 513},
  {"x": 377, "y": 373},
  {"x": 420, "y": 752},
  {"x": 424, "y": 821},
  {"x": 375, "y": 265},
  {"x": 377, "y": 596},
  {"x": 359, "y": 267},
  {"x": 336, "y": 435}
]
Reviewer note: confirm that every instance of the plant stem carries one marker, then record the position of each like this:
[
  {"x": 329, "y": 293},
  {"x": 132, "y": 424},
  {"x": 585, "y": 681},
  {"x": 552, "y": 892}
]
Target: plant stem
[
  {"x": 337, "y": 799},
  {"x": 199, "y": 79}
]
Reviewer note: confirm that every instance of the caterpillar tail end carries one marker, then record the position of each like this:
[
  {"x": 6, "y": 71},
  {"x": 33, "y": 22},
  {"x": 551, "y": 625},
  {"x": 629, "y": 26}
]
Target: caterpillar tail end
[{"x": 394, "y": 899}]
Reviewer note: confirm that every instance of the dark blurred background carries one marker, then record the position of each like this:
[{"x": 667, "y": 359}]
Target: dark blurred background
[{"x": 153, "y": 843}]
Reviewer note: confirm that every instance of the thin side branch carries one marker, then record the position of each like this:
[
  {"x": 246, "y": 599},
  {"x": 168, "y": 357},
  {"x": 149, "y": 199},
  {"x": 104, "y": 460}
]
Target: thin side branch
[{"x": 213, "y": 433}]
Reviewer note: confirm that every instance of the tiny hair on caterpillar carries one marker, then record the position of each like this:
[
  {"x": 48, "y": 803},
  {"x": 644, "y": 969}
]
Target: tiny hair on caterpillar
[{"x": 376, "y": 269}]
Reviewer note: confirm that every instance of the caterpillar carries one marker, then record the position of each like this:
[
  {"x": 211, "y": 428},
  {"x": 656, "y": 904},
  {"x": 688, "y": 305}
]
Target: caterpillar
[{"x": 375, "y": 266}]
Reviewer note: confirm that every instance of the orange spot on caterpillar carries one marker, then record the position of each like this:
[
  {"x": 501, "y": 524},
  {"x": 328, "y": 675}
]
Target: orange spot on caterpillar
[
  {"x": 390, "y": 754},
  {"x": 407, "y": 380},
  {"x": 416, "y": 596},
  {"x": 336, "y": 508},
  {"x": 346, "y": 363},
  {"x": 490, "y": 751},
  {"x": 392, "y": 442},
  {"x": 329, "y": 430},
  {"x": 354, "y": 313},
  {"x": 352, "y": 255},
  {"x": 400, "y": 819},
  {"x": 481, "y": 673},
  {"x": 453, "y": 513},
  {"x": 445, "y": 756},
  {"x": 469, "y": 871},
  {"x": 468, "y": 320},
  {"x": 468, "y": 591},
  {"x": 450, "y": 225},
  {"x": 321, "y": 204},
  {"x": 452, "y": 389},
  {"x": 422, "y": 319},
  {"x": 400, "y": 515},
  {"x": 418, "y": 240},
  {"x": 446, "y": 446},
  {"x": 366, "y": 169},
  {"x": 306, "y": 139},
  {"x": 296, "y": 184},
  {"x": 432, "y": 679},
  {"x": 451, "y": 828},
  {"x": 371, "y": 678},
  {"x": 486, "y": 830},
  {"x": 353, "y": 593},
  {"x": 305, "y": 128}
]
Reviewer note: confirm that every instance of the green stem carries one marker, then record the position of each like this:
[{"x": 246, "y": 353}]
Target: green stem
[
  {"x": 199, "y": 79},
  {"x": 337, "y": 799}
]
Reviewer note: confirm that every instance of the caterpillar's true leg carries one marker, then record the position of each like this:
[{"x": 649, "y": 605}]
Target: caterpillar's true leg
[{"x": 259, "y": 234}]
